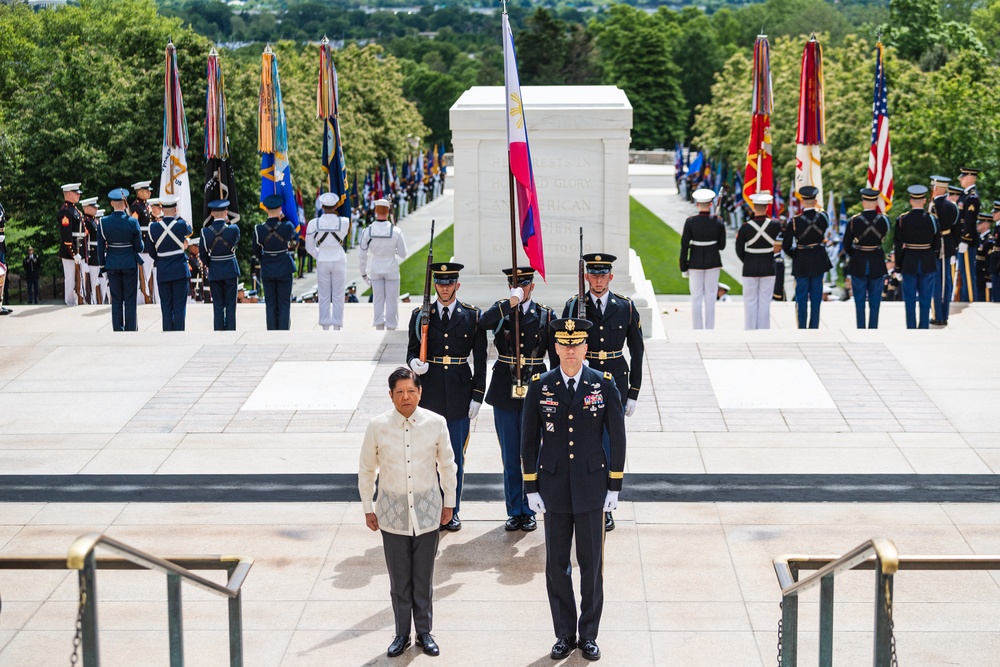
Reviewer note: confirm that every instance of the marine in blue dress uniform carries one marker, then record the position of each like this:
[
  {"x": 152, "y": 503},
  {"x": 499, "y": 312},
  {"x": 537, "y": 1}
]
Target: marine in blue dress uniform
[
  {"x": 272, "y": 243},
  {"x": 865, "y": 257},
  {"x": 169, "y": 238},
  {"x": 946, "y": 213},
  {"x": 451, "y": 386},
  {"x": 804, "y": 242},
  {"x": 568, "y": 476},
  {"x": 535, "y": 343},
  {"x": 918, "y": 242},
  {"x": 217, "y": 250},
  {"x": 119, "y": 242},
  {"x": 993, "y": 258},
  {"x": 616, "y": 325},
  {"x": 968, "y": 215}
]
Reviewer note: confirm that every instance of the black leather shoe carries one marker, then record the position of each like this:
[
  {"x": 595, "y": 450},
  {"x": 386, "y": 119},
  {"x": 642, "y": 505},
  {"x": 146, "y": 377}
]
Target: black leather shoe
[
  {"x": 513, "y": 523},
  {"x": 609, "y": 522},
  {"x": 588, "y": 648},
  {"x": 528, "y": 523},
  {"x": 426, "y": 642},
  {"x": 562, "y": 648},
  {"x": 398, "y": 645},
  {"x": 454, "y": 525},
  {"x": 937, "y": 322}
]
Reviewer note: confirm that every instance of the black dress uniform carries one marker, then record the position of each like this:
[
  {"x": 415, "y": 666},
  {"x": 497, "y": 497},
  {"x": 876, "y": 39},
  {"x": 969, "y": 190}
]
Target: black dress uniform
[
  {"x": 118, "y": 246},
  {"x": 535, "y": 343},
  {"x": 804, "y": 243},
  {"x": 866, "y": 260},
  {"x": 139, "y": 209},
  {"x": 984, "y": 288},
  {"x": 218, "y": 254},
  {"x": 173, "y": 275},
  {"x": 946, "y": 213},
  {"x": 968, "y": 215},
  {"x": 450, "y": 384},
  {"x": 564, "y": 462},
  {"x": 702, "y": 239},
  {"x": 272, "y": 243},
  {"x": 918, "y": 243},
  {"x": 72, "y": 233}
]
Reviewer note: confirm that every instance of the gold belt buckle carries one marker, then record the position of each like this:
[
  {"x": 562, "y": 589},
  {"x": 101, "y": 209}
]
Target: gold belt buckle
[
  {"x": 602, "y": 355},
  {"x": 445, "y": 360},
  {"x": 518, "y": 390}
]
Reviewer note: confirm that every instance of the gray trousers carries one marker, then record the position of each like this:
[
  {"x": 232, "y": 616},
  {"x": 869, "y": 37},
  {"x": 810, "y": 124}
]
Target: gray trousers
[{"x": 410, "y": 560}]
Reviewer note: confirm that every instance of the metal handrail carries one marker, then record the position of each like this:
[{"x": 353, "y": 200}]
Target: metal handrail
[{"x": 884, "y": 552}]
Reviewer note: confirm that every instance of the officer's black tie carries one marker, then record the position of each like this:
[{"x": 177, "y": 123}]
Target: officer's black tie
[
  {"x": 444, "y": 316},
  {"x": 571, "y": 385},
  {"x": 597, "y": 306}
]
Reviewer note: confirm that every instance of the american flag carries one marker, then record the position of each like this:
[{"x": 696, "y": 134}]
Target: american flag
[{"x": 880, "y": 159}]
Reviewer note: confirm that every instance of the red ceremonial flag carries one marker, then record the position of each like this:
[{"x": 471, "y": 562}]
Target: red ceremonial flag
[
  {"x": 759, "y": 176},
  {"x": 880, "y": 158},
  {"x": 812, "y": 120},
  {"x": 519, "y": 158}
]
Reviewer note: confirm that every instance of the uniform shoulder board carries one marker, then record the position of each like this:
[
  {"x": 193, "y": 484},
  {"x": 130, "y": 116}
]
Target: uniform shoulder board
[
  {"x": 608, "y": 376},
  {"x": 536, "y": 377},
  {"x": 623, "y": 297},
  {"x": 469, "y": 306}
]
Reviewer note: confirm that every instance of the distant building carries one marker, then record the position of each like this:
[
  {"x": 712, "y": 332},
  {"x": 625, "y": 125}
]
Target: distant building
[{"x": 46, "y": 4}]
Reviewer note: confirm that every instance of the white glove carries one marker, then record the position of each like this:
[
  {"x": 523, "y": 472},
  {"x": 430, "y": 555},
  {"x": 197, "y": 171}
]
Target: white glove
[
  {"x": 954, "y": 260},
  {"x": 367, "y": 280},
  {"x": 536, "y": 504},
  {"x": 517, "y": 293},
  {"x": 417, "y": 366},
  {"x": 474, "y": 409},
  {"x": 630, "y": 407},
  {"x": 611, "y": 501},
  {"x": 684, "y": 274},
  {"x": 77, "y": 258},
  {"x": 963, "y": 247}
]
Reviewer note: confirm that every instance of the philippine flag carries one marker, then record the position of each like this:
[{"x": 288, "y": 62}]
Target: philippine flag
[{"x": 520, "y": 158}]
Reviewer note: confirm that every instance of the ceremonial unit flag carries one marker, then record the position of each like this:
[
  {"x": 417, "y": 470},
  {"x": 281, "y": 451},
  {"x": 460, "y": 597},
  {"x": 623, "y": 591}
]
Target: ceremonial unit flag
[
  {"x": 174, "y": 177},
  {"x": 519, "y": 158},
  {"x": 812, "y": 119},
  {"x": 880, "y": 158},
  {"x": 328, "y": 110},
  {"x": 759, "y": 174},
  {"x": 272, "y": 139},
  {"x": 220, "y": 177}
]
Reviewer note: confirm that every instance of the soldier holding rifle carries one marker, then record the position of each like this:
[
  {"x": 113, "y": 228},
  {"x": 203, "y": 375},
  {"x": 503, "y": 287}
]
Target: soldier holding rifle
[{"x": 70, "y": 228}]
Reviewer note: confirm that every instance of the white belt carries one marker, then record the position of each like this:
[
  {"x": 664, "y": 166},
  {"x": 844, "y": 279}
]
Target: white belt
[
  {"x": 91, "y": 243},
  {"x": 277, "y": 252},
  {"x": 119, "y": 245},
  {"x": 703, "y": 243},
  {"x": 170, "y": 253},
  {"x": 233, "y": 256},
  {"x": 79, "y": 234},
  {"x": 761, "y": 251},
  {"x": 2, "y": 237},
  {"x": 144, "y": 229}
]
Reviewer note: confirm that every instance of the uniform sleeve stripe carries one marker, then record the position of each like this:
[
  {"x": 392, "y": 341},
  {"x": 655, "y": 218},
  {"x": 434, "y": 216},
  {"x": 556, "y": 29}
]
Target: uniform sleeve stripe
[
  {"x": 530, "y": 476},
  {"x": 616, "y": 475}
]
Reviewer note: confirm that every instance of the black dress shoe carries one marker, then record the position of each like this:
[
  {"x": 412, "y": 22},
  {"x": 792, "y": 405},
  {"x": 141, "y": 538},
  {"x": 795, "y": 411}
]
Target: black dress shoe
[
  {"x": 513, "y": 523},
  {"x": 454, "y": 525},
  {"x": 588, "y": 648},
  {"x": 426, "y": 641},
  {"x": 609, "y": 522},
  {"x": 398, "y": 645},
  {"x": 562, "y": 648},
  {"x": 937, "y": 322},
  {"x": 528, "y": 523}
]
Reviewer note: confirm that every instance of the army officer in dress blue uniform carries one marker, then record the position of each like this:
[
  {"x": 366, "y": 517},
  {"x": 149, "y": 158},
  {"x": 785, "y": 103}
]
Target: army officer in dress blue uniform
[
  {"x": 866, "y": 260},
  {"x": 946, "y": 212},
  {"x": 272, "y": 243},
  {"x": 803, "y": 242},
  {"x": 119, "y": 244},
  {"x": 218, "y": 253},
  {"x": 535, "y": 344},
  {"x": 968, "y": 216},
  {"x": 918, "y": 243},
  {"x": 451, "y": 387},
  {"x": 616, "y": 324},
  {"x": 169, "y": 239},
  {"x": 568, "y": 476}
]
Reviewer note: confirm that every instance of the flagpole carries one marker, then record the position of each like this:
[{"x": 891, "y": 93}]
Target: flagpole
[{"x": 518, "y": 390}]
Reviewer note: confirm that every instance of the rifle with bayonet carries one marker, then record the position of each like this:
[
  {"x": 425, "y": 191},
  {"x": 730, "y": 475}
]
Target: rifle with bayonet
[
  {"x": 425, "y": 308},
  {"x": 581, "y": 300}
]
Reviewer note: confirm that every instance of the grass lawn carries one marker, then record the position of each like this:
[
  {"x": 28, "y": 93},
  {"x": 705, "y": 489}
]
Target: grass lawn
[
  {"x": 411, "y": 271},
  {"x": 659, "y": 247}
]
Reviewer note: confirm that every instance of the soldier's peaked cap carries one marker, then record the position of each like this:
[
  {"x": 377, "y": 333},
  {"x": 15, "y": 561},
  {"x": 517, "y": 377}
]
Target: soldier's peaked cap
[
  {"x": 703, "y": 195},
  {"x": 599, "y": 262},
  {"x": 218, "y": 205},
  {"x": 996, "y": 205},
  {"x": 71, "y": 187},
  {"x": 955, "y": 189},
  {"x": 570, "y": 330},
  {"x": 446, "y": 273},
  {"x": 168, "y": 201},
  {"x": 525, "y": 274},
  {"x": 917, "y": 191},
  {"x": 943, "y": 180},
  {"x": 118, "y": 194},
  {"x": 969, "y": 171},
  {"x": 328, "y": 199},
  {"x": 382, "y": 202},
  {"x": 762, "y": 198},
  {"x": 808, "y": 191},
  {"x": 89, "y": 202},
  {"x": 273, "y": 201},
  {"x": 142, "y": 185},
  {"x": 869, "y": 194},
  {"x": 986, "y": 216}
]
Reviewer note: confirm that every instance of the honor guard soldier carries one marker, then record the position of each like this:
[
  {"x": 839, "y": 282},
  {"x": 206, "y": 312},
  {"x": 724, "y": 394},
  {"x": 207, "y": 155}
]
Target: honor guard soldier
[
  {"x": 968, "y": 215},
  {"x": 72, "y": 234},
  {"x": 993, "y": 259},
  {"x": 452, "y": 387},
  {"x": 384, "y": 242},
  {"x": 757, "y": 241},
  {"x": 703, "y": 237},
  {"x": 325, "y": 237},
  {"x": 918, "y": 243},
  {"x": 217, "y": 250},
  {"x": 173, "y": 276},
  {"x": 3, "y": 263},
  {"x": 983, "y": 251},
  {"x": 139, "y": 209},
  {"x": 946, "y": 213},
  {"x": 119, "y": 245},
  {"x": 505, "y": 394},
  {"x": 616, "y": 325},
  {"x": 89, "y": 266},
  {"x": 866, "y": 260},
  {"x": 273, "y": 242},
  {"x": 804, "y": 243},
  {"x": 155, "y": 213},
  {"x": 569, "y": 477}
]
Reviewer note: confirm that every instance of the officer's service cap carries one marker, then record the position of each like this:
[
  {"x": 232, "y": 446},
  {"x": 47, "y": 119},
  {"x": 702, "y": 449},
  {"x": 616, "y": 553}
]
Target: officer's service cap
[
  {"x": 118, "y": 194},
  {"x": 996, "y": 205},
  {"x": 353, "y": 285},
  {"x": 525, "y": 274},
  {"x": 969, "y": 171},
  {"x": 724, "y": 286},
  {"x": 703, "y": 195},
  {"x": 329, "y": 199},
  {"x": 155, "y": 201},
  {"x": 382, "y": 201},
  {"x": 71, "y": 187},
  {"x": 570, "y": 330},
  {"x": 762, "y": 198},
  {"x": 447, "y": 273},
  {"x": 940, "y": 180},
  {"x": 272, "y": 201},
  {"x": 599, "y": 263},
  {"x": 142, "y": 185},
  {"x": 168, "y": 202},
  {"x": 955, "y": 189},
  {"x": 808, "y": 192},
  {"x": 92, "y": 201},
  {"x": 986, "y": 216},
  {"x": 917, "y": 191},
  {"x": 402, "y": 297},
  {"x": 869, "y": 194},
  {"x": 218, "y": 205},
  {"x": 100, "y": 213}
]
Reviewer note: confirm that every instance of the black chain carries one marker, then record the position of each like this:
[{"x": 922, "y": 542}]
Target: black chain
[
  {"x": 892, "y": 627},
  {"x": 74, "y": 658},
  {"x": 780, "y": 607}
]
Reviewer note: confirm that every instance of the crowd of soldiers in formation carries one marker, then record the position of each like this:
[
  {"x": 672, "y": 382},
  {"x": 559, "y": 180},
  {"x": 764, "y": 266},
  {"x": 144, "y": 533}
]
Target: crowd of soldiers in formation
[{"x": 943, "y": 249}]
